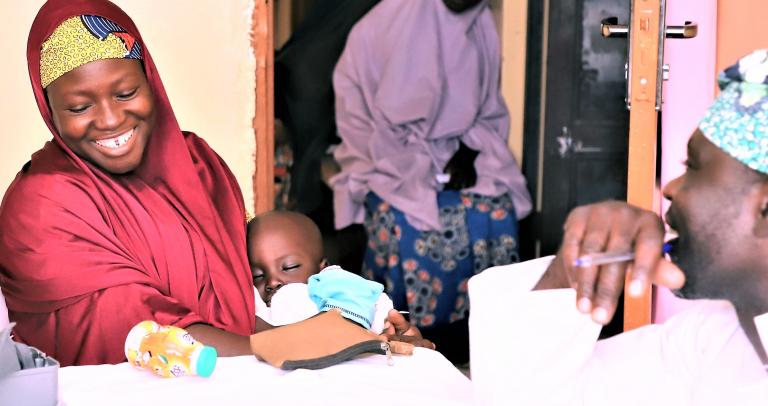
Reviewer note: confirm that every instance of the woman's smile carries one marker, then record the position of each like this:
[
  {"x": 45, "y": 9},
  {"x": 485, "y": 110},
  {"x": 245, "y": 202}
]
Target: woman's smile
[
  {"x": 104, "y": 112},
  {"x": 118, "y": 145}
]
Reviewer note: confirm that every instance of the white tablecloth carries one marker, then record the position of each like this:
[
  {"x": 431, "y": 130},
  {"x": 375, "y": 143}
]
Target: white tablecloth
[{"x": 426, "y": 378}]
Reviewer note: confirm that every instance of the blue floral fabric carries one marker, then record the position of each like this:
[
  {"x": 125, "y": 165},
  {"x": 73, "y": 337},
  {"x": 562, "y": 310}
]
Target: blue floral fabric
[
  {"x": 737, "y": 122},
  {"x": 426, "y": 272}
]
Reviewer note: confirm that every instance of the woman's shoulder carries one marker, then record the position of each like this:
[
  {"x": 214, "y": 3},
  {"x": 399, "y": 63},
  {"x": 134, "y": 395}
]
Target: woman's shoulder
[
  {"x": 197, "y": 144},
  {"x": 48, "y": 180},
  {"x": 201, "y": 152}
]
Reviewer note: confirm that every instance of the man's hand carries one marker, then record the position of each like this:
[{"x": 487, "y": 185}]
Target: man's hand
[
  {"x": 397, "y": 328},
  {"x": 610, "y": 227}
]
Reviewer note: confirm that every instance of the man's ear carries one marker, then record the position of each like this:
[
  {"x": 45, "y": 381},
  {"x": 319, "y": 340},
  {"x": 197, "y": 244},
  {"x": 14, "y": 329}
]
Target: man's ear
[
  {"x": 324, "y": 263},
  {"x": 761, "y": 223}
]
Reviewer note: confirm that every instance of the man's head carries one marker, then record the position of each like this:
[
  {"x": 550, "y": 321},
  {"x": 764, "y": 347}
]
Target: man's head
[
  {"x": 719, "y": 206},
  {"x": 283, "y": 247}
]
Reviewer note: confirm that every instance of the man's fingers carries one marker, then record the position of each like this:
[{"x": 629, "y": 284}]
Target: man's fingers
[
  {"x": 609, "y": 287},
  {"x": 610, "y": 278},
  {"x": 648, "y": 252},
  {"x": 594, "y": 240},
  {"x": 612, "y": 227},
  {"x": 669, "y": 275},
  {"x": 586, "y": 277},
  {"x": 611, "y": 282},
  {"x": 573, "y": 232}
]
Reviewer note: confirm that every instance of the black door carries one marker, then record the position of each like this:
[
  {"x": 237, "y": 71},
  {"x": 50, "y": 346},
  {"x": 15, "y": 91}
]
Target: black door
[{"x": 578, "y": 154}]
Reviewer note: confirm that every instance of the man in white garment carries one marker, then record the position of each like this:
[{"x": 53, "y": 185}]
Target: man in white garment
[{"x": 534, "y": 326}]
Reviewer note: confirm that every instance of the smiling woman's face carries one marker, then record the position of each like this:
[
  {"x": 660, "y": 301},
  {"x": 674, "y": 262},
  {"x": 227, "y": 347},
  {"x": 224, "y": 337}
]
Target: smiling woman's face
[{"x": 104, "y": 111}]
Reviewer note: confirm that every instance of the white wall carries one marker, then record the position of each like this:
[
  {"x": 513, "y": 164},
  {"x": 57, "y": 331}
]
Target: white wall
[{"x": 202, "y": 50}]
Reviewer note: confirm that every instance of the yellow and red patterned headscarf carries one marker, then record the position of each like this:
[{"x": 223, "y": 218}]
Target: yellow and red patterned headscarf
[{"x": 83, "y": 39}]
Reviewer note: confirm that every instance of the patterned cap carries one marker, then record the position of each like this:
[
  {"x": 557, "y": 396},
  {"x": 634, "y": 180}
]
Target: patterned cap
[
  {"x": 83, "y": 39},
  {"x": 737, "y": 122}
]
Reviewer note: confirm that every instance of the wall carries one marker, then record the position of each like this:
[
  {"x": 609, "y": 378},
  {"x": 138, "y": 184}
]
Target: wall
[
  {"x": 512, "y": 24},
  {"x": 687, "y": 95},
  {"x": 741, "y": 28},
  {"x": 203, "y": 55}
]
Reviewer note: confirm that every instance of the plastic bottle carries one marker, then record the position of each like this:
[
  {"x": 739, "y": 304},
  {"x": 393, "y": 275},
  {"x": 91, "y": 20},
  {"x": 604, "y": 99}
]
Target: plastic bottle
[{"x": 168, "y": 351}]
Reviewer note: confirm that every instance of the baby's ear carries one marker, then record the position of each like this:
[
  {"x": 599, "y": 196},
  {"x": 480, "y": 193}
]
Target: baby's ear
[{"x": 324, "y": 263}]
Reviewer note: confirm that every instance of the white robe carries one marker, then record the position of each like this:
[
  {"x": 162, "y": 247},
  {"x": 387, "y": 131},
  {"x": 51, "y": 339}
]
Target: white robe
[{"x": 534, "y": 348}]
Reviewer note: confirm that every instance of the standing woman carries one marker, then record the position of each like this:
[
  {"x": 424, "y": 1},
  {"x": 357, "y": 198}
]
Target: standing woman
[
  {"x": 120, "y": 217},
  {"x": 424, "y": 158}
]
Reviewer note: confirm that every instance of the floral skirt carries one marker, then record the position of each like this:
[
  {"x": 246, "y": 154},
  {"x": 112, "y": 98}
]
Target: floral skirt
[{"x": 426, "y": 272}]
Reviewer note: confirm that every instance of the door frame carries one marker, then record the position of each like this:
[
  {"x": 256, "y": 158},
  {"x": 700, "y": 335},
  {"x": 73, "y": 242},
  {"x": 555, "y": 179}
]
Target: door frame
[
  {"x": 641, "y": 176},
  {"x": 262, "y": 43}
]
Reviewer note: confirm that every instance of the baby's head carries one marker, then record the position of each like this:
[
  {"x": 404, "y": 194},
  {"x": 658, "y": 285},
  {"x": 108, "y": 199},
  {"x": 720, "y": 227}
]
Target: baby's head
[{"x": 283, "y": 247}]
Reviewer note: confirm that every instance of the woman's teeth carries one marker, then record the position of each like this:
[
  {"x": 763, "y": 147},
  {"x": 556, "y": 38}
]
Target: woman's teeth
[{"x": 115, "y": 142}]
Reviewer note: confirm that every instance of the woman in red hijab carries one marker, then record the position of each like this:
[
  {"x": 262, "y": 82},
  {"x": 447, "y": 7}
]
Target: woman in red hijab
[{"x": 121, "y": 217}]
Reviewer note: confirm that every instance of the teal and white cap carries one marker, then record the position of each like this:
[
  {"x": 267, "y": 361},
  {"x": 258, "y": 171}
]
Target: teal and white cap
[
  {"x": 203, "y": 361},
  {"x": 737, "y": 122}
]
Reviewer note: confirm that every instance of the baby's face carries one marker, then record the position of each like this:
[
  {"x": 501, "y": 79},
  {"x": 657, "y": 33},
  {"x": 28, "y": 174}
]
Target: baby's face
[{"x": 280, "y": 258}]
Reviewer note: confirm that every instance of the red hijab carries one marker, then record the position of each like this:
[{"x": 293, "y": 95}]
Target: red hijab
[{"x": 84, "y": 255}]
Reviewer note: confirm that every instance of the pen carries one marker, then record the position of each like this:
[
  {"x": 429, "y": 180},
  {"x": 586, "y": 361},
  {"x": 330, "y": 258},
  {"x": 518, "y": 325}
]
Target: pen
[{"x": 611, "y": 257}]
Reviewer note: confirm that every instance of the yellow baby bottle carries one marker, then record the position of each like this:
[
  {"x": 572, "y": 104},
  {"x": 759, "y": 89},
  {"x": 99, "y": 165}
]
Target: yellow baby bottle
[{"x": 168, "y": 351}]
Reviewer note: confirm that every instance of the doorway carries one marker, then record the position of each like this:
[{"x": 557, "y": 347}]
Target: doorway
[
  {"x": 576, "y": 132},
  {"x": 576, "y": 121}
]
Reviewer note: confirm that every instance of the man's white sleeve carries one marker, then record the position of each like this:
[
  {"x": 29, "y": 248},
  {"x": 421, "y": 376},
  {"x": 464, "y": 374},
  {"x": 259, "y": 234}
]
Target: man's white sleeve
[{"x": 525, "y": 346}]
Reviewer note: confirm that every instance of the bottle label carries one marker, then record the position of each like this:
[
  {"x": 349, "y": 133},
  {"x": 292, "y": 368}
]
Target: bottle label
[{"x": 167, "y": 351}]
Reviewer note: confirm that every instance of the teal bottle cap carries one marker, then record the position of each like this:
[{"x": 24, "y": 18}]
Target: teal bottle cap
[{"x": 206, "y": 362}]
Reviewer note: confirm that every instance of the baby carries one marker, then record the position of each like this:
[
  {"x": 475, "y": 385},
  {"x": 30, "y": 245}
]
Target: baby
[{"x": 285, "y": 253}]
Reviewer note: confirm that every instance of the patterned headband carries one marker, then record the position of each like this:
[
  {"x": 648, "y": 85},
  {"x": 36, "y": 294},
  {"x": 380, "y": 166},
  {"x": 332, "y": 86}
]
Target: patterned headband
[
  {"x": 83, "y": 39},
  {"x": 737, "y": 122}
]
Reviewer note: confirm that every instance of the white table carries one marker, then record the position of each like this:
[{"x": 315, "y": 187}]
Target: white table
[{"x": 426, "y": 378}]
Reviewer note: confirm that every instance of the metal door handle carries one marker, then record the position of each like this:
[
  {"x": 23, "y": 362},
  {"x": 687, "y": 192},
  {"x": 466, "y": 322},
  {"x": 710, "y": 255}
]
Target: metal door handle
[
  {"x": 610, "y": 28},
  {"x": 686, "y": 31}
]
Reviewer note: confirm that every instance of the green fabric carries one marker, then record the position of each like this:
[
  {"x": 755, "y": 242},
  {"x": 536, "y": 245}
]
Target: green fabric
[{"x": 737, "y": 122}]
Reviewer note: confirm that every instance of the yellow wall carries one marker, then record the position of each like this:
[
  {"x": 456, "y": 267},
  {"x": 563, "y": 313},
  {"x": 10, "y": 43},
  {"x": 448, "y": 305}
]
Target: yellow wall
[
  {"x": 741, "y": 28},
  {"x": 512, "y": 23},
  {"x": 202, "y": 50}
]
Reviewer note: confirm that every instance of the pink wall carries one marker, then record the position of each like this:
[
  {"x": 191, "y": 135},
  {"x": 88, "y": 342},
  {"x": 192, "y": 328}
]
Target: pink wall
[{"x": 687, "y": 95}]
